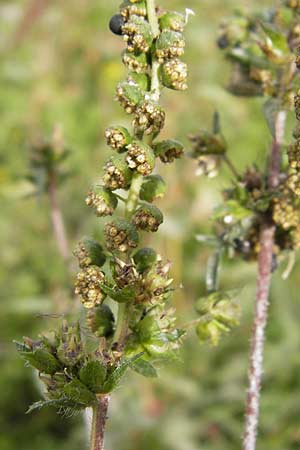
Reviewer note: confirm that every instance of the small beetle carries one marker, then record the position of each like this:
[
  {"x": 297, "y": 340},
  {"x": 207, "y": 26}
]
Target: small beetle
[{"x": 116, "y": 23}]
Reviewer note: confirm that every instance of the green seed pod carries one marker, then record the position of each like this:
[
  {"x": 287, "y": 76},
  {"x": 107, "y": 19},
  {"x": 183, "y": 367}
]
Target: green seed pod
[
  {"x": 135, "y": 63},
  {"x": 141, "y": 79},
  {"x": 137, "y": 33},
  {"x": 88, "y": 285},
  {"x": 168, "y": 150},
  {"x": 169, "y": 44},
  {"x": 148, "y": 218},
  {"x": 70, "y": 350},
  {"x": 294, "y": 155},
  {"x": 153, "y": 187},
  {"x": 129, "y": 96},
  {"x": 128, "y": 9},
  {"x": 89, "y": 253},
  {"x": 102, "y": 200},
  {"x": 172, "y": 20},
  {"x": 101, "y": 321},
  {"x": 174, "y": 74},
  {"x": 117, "y": 138},
  {"x": 121, "y": 235},
  {"x": 117, "y": 173},
  {"x": 144, "y": 259},
  {"x": 149, "y": 118},
  {"x": 140, "y": 157}
]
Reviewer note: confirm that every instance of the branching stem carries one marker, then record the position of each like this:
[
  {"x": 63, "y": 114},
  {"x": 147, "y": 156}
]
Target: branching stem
[{"x": 262, "y": 298}]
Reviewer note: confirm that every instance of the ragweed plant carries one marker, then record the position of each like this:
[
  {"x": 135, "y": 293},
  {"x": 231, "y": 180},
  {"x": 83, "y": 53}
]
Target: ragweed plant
[
  {"x": 260, "y": 217},
  {"x": 80, "y": 370}
]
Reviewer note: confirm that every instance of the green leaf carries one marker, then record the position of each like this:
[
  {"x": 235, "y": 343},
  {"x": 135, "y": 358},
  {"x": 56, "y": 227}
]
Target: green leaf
[
  {"x": 270, "y": 109},
  {"x": 119, "y": 295},
  {"x": 93, "y": 375},
  {"x": 116, "y": 376},
  {"x": 144, "y": 368},
  {"x": 79, "y": 393},
  {"x": 231, "y": 210},
  {"x": 42, "y": 360},
  {"x": 57, "y": 403},
  {"x": 277, "y": 38}
]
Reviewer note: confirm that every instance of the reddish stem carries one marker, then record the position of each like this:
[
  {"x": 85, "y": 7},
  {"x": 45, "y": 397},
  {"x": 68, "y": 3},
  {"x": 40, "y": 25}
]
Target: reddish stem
[
  {"x": 262, "y": 297},
  {"x": 99, "y": 421}
]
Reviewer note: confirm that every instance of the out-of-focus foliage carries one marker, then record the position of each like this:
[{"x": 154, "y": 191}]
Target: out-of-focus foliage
[{"x": 62, "y": 68}]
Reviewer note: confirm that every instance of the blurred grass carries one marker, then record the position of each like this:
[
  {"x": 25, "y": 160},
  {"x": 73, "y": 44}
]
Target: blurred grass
[{"x": 64, "y": 70}]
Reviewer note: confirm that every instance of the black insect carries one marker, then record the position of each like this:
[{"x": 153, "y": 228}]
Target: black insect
[
  {"x": 222, "y": 42},
  {"x": 116, "y": 23}
]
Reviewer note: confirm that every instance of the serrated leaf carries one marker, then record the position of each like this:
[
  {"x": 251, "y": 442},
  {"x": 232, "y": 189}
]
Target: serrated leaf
[
  {"x": 79, "y": 393},
  {"x": 144, "y": 368},
  {"x": 93, "y": 375},
  {"x": 42, "y": 360},
  {"x": 57, "y": 403},
  {"x": 116, "y": 376}
]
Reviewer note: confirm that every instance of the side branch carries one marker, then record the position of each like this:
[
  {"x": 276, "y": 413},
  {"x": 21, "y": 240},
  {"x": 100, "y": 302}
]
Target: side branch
[{"x": 262, "y": 297}]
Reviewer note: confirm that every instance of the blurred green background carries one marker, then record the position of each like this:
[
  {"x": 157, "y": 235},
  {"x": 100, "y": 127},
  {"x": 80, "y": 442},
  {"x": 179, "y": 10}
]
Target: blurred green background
[{"x": 60, "y": 65}]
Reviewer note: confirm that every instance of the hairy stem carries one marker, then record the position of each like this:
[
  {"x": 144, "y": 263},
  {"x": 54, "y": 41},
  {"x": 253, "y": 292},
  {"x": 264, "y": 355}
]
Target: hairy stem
[
  {"x": 262, "y": 298},
  {"x": 152, "y": 17},
  {"x": 57, "y": 219},
  {"x": 98, "y": 423}
]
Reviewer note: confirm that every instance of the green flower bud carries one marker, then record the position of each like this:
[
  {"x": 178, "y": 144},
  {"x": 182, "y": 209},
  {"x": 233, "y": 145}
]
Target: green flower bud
[
  {"x": 129, "y": 9},
  {"x": 148, "y": 218},
  {"x": 102, "y": 200},
  {"x": 143, "y": 80},
  {"x": 121, "y": 235},
  {"x": 101, "y": 321},
  {"x": 144, "y": 259},
  {"x": 137, "y": 33},
  {"x": 70, "y": 349},
  {"x": 294, "y": 155},
  {"x": 149, "y": 118},
  {"x": 117, "y": 173},
  {"x": 172, "y": 20},
  {"x": 207, "y": 143},
  {"x": 169, "y": 44},
  {"x": 117, "y": 138},
  {"x": 209, "y": 331},
  {"x": 89, "y": 253},
  {"x": 174, "y": 74},
  {"x": 88, "y": 285},
  {"x": 153, "y": 187},
  {"x": 129, "y": 96},
  {"x": 136, "y": 63},
  {"x": 168, "y": 150},
  {"x": 140, "y": 157}
]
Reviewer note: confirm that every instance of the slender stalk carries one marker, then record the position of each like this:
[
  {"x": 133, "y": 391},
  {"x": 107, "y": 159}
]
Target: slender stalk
[
  {"x": 152, "y": 17},
  {"x": 133, "y": 195},
  {"x": 230, "y": 165},
  {"x": 262, "y": 298},
  {"x": 57, "y": 219},
  {"x": 98, "y": 423}
]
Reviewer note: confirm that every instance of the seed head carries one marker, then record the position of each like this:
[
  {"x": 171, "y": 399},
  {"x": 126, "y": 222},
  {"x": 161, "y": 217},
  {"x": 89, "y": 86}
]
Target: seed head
[
  {"x": 129, "y": 9},
  {"x": 168, "y": 150},
  {"x": 117, "y": 138},
  {"x": 89, "y": 252},
  {"x": 100, "y": 321},
  {"x": 88, "y": 285},
  {"x": 174, "y": 74},
  {"x": 117, "y": 174},
  {"x": 135, "y": 63},
  {"x": 293, "y": 183},
  {"x": 297, "y": 105},
  {"x": 140, "y": 157},
  {"x": 170, "y": 44},
  {"x": 121, "y": 235},
  {"x": 148, "y": 218},
  {"x": 149, "y": 118},
  {"x": 129, "y": 96},
  {"x": 294, "y": 155},
  {"x": 137, "y": 34},
  {"x": 102, "y": 200},
  {"x": 172, "y": 20}
]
